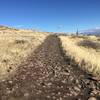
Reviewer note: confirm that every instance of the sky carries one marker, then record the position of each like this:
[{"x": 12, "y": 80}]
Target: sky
[{"x": 51, "y": 15}]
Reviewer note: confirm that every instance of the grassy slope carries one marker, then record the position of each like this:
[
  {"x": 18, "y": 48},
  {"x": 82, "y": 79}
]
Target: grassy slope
[{"x": 16, "y": 46}]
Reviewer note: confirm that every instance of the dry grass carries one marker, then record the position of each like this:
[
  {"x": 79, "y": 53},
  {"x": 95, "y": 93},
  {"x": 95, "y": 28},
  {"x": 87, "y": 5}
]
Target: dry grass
[
  {"x": 87, "y": 58},
  {"x": 15, "y": 47}
]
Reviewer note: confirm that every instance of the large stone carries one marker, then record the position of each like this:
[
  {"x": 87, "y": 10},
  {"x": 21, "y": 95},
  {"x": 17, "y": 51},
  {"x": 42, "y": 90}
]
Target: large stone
[{"x": 92, "y": 98}]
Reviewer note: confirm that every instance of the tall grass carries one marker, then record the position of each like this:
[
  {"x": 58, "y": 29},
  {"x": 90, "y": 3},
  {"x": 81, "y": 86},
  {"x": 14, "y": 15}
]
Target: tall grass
[
  {"x": 86, "y": 58},
  {"x": 15, "y": 47}
]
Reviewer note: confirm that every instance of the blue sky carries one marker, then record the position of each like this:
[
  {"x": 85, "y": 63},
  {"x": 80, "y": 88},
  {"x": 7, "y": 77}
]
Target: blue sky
[{"x": 51, "y": 15}]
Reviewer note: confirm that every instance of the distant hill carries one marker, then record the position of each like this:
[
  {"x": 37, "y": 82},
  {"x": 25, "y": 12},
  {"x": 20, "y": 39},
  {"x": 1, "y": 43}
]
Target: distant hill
[
  {"x": 95, "y": 31},
  {"x": 7, "y": 28}
]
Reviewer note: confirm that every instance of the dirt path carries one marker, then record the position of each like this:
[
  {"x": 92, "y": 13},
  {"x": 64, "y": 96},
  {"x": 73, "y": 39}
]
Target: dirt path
[{"x": 48, "y": 76}]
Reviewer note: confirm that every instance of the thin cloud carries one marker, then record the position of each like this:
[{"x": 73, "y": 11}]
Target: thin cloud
[
  {"x": 19, "y": 26},
  {"x": 60, "y": 26}
]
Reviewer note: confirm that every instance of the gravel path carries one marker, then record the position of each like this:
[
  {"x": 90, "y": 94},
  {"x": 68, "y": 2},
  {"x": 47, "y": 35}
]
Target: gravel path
[{"x": 47, "y": 75}]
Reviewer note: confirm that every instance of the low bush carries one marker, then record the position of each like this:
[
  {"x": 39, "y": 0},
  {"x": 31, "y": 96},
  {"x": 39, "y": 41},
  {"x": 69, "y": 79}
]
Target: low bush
[{"x": 89, "y": 44}]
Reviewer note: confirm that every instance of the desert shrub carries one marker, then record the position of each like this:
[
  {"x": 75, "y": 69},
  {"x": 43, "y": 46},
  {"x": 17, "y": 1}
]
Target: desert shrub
[
  {"x": 83, "y": 37},
  {"x": 20, "y": 41},
  {"x": 89, "y": 44},
  {"x": 98, "y": 39}
]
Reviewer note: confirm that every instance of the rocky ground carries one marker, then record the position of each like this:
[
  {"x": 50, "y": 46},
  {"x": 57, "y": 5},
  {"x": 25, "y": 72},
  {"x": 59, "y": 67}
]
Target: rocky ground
[{"x": 48, "y": 75}]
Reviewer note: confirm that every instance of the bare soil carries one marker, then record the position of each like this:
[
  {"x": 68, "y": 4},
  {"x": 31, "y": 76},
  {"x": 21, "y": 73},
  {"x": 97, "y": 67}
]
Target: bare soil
[{"x": 48, "y": 75}]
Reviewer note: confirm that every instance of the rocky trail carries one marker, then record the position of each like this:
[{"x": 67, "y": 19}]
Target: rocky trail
[{"x": 48, "y": 75}]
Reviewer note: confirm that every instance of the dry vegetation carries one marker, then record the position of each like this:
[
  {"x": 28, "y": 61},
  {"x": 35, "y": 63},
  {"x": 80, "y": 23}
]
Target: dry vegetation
[
  {"x": 85, "y": 50},
  {"x": 15, "y": 47},
  {"x": 35, "y": 67}
]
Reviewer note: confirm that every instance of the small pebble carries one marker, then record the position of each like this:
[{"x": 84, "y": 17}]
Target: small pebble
[
  {"x": 76, "y": 88},
  {"x": 49, "y": 84},
  {"x": 59, "y": 93},
  {"x": 26, "y": 94},
  {"x": 10, "y": 82},
  {"x": 48, "y": 96}
]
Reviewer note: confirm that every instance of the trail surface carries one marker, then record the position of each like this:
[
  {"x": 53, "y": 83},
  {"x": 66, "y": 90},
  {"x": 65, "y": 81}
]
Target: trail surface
[{"x": 47, "y": 75}]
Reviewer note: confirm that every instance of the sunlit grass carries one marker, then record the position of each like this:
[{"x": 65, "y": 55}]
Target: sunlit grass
[
  {"x": 87, "y": 58},
  {"x": 15, "y": 47}
]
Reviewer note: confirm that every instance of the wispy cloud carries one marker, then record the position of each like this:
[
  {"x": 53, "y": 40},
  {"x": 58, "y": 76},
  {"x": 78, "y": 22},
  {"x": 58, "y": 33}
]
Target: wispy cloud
[
  {"x": 19, "y": 26},
  {"x": 60, "y": 26}
]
